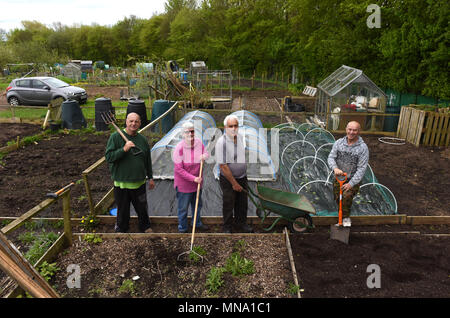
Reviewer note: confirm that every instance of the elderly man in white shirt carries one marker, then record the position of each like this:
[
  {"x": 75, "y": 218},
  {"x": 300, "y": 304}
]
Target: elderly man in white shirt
[{"x": 230, "y": 155}]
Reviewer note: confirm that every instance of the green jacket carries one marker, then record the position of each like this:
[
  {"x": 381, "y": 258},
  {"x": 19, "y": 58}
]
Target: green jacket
[{"x": 124, "y": 166}]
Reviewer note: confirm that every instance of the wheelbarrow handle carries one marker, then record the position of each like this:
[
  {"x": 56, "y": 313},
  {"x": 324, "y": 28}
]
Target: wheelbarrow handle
[
  {"x": 250, "y": 194},
  {"x": 252, "y": 197}
]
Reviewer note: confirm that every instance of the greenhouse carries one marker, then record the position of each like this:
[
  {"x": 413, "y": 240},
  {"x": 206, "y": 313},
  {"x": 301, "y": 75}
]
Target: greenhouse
[
  {"x": 162, "y": 150},
  {"x": 350, "y": 92},
  {"x": 260, "y": 166}
]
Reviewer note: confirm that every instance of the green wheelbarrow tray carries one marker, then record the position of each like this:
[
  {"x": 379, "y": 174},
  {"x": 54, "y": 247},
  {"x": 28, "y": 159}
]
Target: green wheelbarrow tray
[{"x": 293, "y": 207}]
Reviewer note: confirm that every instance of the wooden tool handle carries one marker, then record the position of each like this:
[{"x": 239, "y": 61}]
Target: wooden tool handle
[
  {"x": 196, "y": 205},
  {"x": 63, "y": 189},
  {"x": 120, "y": 132}
]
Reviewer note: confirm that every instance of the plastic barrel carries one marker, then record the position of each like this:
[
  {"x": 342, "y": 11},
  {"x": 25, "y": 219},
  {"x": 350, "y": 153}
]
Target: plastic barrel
[
  {"x": 72, "y": 116},
  {"x": 160, "y": 106},
  {"x": 102, "y": 105},
  {"x": 391, "y": 122},
  {"x": 138, "y": 106}
]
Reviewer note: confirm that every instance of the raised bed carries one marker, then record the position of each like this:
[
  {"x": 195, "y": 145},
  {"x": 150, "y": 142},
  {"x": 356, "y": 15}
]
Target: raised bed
[
  {"x": 410, "y": 264},
  {"x": 151, "y": 260}
]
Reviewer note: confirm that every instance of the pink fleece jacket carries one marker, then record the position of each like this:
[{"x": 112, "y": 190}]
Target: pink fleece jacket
[{"x": 186, "y": 161}]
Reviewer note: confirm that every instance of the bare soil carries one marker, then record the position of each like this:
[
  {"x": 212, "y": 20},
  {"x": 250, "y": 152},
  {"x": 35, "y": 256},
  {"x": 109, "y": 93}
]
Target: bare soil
[
  {"x": 162, "y": 273},
  {"x": 410, "y": 266},
  {"x": 10, "y": 132}
]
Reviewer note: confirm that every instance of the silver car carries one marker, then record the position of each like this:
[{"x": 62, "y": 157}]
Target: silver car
[{"x": 41, "y": 90}]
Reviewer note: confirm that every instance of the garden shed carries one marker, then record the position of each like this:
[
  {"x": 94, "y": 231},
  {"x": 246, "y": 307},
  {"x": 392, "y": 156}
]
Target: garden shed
[{"x": 348, "y": 94}]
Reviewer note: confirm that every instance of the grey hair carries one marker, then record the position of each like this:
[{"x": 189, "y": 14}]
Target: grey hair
[
  {"x": 225, "y": 121},
  {"x": 187, "y": 125}
]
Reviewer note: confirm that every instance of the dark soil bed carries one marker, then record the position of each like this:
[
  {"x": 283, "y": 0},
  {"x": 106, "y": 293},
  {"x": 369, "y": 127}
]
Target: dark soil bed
[
  {"x": 409, "y": 265},
  {"x": 28, "y": 174},
  {"x": 10, "y": 132},
  {"x": 106, "y": 266}
]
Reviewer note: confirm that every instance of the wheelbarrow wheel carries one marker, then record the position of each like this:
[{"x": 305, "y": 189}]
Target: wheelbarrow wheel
[{"x": 305, "y": 222}]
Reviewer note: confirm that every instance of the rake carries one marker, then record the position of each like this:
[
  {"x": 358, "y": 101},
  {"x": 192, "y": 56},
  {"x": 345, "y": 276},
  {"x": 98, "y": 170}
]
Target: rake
[
  {"x": 109, "y": 118},
  {"x": 194, "y": 220}
]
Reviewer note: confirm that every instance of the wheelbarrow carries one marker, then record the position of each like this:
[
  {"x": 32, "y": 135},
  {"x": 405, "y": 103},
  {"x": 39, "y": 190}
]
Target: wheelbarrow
[{"x": 293, "y": 207}]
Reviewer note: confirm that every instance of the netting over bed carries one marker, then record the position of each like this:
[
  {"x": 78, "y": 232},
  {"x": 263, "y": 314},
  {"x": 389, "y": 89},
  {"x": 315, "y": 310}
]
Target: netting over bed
[
  {"x": 162, "y": 151},
  {"x": 260, "y": 166},
  {"x": 304, "y": 151}
]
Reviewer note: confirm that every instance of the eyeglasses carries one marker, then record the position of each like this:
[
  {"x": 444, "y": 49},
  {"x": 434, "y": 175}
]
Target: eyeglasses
[
  {"x": 233, "y": 126},
  {"x": 189, "y": 132}
]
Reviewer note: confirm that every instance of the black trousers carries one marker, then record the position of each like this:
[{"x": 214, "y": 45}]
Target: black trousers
[
  {"x": 123, "y": 198},
  {"x": 234, "y": 201}
]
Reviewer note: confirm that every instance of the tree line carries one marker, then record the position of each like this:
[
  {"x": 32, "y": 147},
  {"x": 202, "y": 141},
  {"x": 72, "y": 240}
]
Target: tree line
[{"x": 408, "y": 51}]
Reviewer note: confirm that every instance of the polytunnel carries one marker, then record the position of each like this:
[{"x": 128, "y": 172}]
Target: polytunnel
[
  {"x": 162, "y": 151},
  {"x": 260, "y": 166},
  {"x": 304, "y": 169}
]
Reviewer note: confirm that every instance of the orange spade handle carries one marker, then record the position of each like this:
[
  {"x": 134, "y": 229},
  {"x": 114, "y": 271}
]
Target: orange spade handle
[
  {"x": 341, "y": 183},
  {"x": 63, "y": 189}
]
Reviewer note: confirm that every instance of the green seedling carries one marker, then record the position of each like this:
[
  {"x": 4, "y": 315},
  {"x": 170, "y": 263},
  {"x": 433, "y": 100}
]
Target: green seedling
[
  {"x": 47, "y": 270},
  {"x": 238, "y": 265},
  {"x": 92, "y": 238},
  {"x": 128, "y": 287},
  {"x": 214, "y": 279},
  {"x": 293, "y": 289},
  {"x": 196, "y": 254}
]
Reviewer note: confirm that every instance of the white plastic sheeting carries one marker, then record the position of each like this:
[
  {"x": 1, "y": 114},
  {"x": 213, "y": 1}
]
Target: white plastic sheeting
[
  {"x": 260, "y": 166},
  {"x": 162, "y": 151}
]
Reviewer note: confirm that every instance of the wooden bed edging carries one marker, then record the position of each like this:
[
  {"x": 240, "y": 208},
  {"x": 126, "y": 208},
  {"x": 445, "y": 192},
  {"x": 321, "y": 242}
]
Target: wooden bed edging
[
  {"x": 400, "y": 219},
  {"x": 291, "y": 260}
]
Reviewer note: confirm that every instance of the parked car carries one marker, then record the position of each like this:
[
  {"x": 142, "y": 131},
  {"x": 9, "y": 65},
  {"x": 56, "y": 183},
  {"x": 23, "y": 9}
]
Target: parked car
[{"x": 41, "y": 90}]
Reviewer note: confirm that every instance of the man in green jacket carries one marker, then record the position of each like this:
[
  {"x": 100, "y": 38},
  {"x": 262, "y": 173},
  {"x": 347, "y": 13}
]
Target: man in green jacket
[{"x": 129, "y": 173}]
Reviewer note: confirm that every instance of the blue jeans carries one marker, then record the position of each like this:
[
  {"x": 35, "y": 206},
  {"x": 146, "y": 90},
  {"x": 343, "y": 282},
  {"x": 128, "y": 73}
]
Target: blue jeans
[{"x": 184, "y": 201}]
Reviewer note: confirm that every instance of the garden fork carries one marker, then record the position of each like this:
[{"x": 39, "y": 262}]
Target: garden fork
[{"x": 108, "y": 118}]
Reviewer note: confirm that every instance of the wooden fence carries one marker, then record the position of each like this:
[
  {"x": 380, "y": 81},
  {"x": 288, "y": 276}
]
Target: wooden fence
[
  {"x": 17, "y": 267},
  {"x": 429, "y": 128}
]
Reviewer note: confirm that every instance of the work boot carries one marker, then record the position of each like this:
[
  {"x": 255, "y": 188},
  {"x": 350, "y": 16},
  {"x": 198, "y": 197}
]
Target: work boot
[
  {"x": 149, "y": 230},
  {"x": 245, "y": 228},
  {"x": 227, "y": 230},
  {"x": 203, "y": 227}
]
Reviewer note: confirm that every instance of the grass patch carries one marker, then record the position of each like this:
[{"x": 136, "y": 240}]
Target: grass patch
[{"x": 25, "y": 113}]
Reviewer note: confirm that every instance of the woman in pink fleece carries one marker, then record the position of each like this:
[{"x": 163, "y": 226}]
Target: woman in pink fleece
[{"x": 186, "y": 157}]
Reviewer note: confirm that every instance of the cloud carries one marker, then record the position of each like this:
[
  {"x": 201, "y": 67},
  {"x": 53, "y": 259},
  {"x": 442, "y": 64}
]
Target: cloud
[{"x": 69, "y": 12}]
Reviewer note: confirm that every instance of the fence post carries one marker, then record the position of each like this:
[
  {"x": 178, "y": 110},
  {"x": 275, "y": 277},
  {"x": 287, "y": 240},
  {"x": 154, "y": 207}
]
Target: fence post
[
  {"x": 66, "y": 216},
  {"x": 253, "y": 78},
  {"x": 88, "y": 191}
]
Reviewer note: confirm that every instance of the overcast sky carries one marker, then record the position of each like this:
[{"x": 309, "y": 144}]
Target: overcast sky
[{"x": 70, "y": 12}]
